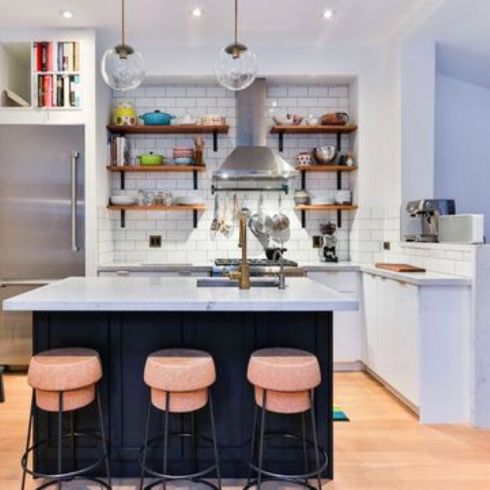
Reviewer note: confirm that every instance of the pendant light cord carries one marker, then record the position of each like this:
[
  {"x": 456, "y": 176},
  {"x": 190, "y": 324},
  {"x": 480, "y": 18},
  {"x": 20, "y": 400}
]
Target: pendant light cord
[
  {"x": 236, "y": 21},
  {"x": 123, "y": 21}
]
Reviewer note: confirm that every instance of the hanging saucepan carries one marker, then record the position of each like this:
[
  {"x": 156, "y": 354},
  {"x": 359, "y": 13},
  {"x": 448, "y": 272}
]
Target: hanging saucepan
[{"x": 260, "y": 223}]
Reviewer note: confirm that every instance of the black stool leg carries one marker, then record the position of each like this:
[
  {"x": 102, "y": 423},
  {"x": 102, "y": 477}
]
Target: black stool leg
[
  {"x": 165, "y": 438},
  {"x": 315, "y": 438},
  {"x": 305, "y": 454},
  {"x": 253, "y": 443},
  {"x": 72, "y": 441},
  {"x": 2, "y": 389},
  {"x": 102, "y": 435},
  {"x": 194, "y": 440},
  {"x": 29, "y": 431},
  {"x": 215, "y": 444},
  {"x": 60, "y": 437},
  {"x": 261, "y": 439},
  {"x": 147, "y": 430}
]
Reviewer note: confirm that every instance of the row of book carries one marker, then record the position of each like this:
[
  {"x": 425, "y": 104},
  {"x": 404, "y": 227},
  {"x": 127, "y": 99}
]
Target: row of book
[
  {"x": 58, "y": 91},
  {"x": 119, "y": 151},
  {"x": 50, "y": 56}
]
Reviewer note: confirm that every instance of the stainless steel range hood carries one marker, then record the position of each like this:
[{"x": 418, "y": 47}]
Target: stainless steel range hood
[{"x": 252, "y": 159}]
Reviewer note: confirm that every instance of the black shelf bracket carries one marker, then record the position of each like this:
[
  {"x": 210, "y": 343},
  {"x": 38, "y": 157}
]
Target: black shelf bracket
[
  {"x": 123, "y": 218},
  {"x": 339, "y": 218},
  {"x": 194, "y": 178},
  {"x": 303, "y": 219},
  {"x": 194, "y": 218},
  {"x": 303, "y": 180},
  {"x": 281, "y": 141},
  {"x": 123, "y": 180},
  {"x": 215, "y": 140}
]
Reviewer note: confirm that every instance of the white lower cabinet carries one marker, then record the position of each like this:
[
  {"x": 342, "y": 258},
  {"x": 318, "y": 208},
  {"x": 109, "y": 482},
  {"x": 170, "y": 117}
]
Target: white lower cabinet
[
  {"x": 347, "y": 324},
  {"x": 416, "y": 340},
  {"x": 391, "y": 319}
]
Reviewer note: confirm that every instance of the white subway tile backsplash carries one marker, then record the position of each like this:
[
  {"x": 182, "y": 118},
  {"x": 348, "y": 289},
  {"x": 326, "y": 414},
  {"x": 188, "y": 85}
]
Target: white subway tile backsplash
[{"x": 180, "y": 241}]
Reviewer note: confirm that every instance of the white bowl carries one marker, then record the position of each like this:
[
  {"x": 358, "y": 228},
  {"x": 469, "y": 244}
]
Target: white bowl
[{"x": 123, "y": 200}]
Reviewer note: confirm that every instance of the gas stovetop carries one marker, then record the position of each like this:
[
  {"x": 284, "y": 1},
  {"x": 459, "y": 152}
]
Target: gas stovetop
[{"x": 254, "y": 263}]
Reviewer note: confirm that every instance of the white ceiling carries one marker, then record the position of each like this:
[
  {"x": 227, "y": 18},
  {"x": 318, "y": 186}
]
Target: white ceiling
[{"x": 262, "y": 22}]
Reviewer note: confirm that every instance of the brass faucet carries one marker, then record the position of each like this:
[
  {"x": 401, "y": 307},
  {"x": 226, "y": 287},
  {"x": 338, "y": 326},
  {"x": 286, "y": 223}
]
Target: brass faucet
[{"x": 243, "y": 274}]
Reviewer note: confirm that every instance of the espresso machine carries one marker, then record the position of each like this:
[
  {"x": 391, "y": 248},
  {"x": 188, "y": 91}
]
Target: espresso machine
[
  {"x": 327, "y": 250},
  {"x": 421, "y": 223}
]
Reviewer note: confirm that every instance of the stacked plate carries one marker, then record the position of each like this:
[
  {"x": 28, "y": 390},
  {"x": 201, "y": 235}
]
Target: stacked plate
[
  {"x": 213, "y": 120},
  {"x": 183, "y": 156},
  {"x": 320, "y": 199},
  {"x": 122, "y": 200},
  {"x": 188, "y": 200}
]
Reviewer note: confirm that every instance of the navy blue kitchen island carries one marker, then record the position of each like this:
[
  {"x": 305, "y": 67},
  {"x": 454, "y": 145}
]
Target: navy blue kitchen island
[{"x": 124, "y": 326}]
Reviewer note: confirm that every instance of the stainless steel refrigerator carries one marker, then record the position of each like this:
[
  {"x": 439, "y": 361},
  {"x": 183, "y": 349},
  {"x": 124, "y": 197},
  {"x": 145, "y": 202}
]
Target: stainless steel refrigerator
[{"x": 41, "y": 220}]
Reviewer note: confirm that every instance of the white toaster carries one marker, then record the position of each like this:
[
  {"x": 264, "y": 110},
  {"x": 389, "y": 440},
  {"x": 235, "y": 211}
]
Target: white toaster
[{"x": 461, "y": 228}]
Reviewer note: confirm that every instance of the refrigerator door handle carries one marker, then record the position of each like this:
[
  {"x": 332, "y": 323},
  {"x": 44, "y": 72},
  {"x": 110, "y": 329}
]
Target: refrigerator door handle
[{"x": 74, "y": 240}]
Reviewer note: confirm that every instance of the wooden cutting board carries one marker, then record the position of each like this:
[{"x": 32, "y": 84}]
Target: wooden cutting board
[{"x": 399, "y": 267}]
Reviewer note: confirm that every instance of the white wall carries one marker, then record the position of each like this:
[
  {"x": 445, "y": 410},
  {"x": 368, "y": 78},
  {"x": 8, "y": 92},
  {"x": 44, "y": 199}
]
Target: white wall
[
  {"x": 418, "y": 69},
  {"x": 462, "y": 164}
]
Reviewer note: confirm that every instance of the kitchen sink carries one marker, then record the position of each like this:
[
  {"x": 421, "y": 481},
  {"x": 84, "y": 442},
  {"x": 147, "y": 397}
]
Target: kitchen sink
[{"x": 221, "y": 282}]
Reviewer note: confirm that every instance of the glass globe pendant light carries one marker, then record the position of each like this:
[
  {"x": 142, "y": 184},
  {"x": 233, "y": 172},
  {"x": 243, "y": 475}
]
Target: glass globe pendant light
[
  {"x": 122, "y": 66},
  {"x": 236, "y": 65}
]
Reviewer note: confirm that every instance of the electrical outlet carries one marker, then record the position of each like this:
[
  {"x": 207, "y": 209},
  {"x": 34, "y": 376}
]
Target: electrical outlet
[
  {"x": 155, "y": 241},
  {"x": 317, "y": 241},
  {"x": 386, "y": 245}
]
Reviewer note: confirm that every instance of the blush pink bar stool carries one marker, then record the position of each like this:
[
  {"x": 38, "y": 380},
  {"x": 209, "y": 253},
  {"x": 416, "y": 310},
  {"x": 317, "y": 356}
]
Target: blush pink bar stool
[
  {"x": 65, "y": 380},
  {"x": 284, "y": 381},
  {"x": 180, "y": 382}
]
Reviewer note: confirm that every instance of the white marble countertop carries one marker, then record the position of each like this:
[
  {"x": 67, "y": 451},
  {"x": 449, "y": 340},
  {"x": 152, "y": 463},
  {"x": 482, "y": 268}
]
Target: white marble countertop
[
  {"x": 175, "y": 294},
  {"x": 419, "y": 279}
]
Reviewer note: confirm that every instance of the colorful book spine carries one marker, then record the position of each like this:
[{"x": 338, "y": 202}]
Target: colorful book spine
[
  {"x": 48, "y": 91},
  {"x": 59, "y": 91},
  {"x": 76, "y": 56},
  {"x": 59, "y": 57}
]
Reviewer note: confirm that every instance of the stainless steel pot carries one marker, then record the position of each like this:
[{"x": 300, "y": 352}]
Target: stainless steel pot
[{"x": 325, "y": 154}]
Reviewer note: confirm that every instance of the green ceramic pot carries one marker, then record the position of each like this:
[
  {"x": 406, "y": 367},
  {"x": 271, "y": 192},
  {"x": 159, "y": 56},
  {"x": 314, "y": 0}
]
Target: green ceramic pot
[{"x": 150, "y": 159}]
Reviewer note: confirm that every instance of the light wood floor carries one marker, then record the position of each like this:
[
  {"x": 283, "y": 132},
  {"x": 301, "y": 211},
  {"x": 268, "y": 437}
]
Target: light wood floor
[{"x": 383, "y": 447}]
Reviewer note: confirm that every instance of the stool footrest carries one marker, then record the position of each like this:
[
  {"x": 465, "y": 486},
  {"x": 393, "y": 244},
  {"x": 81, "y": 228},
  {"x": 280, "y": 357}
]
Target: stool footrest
[
  {"x": 65, "y": 476},
  {"x": 290, "y": 478},
  {"x": 196, "y": 476}
]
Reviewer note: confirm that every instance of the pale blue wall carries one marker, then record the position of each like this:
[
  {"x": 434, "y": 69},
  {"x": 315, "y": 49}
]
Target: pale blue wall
[{"x": 462, "y": 149}]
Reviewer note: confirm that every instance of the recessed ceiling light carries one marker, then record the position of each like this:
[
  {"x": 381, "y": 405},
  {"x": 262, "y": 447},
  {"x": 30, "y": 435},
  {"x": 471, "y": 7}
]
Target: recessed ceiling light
[
  {"x": 328, "y": 14},
  {"x": 67, "y": 14},
  {"x": 197, "y": 12}
]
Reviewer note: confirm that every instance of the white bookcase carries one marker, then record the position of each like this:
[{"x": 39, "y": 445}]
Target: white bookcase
[{"x": 56, "y": 80}]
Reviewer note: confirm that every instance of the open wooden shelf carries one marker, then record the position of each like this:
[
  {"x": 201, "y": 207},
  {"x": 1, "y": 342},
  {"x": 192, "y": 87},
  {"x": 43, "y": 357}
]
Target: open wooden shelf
[
  {"x": 303, "y": 129},
  {"x": 156, "y": 168},
  {"x": 195, "y": 208},
  {"x": 326, "y": 168},
  {"x": 170, "y": 129},
  {"x": 158, "y": 207},
  {"x": 326, "y": 207},
  {"x": 173, "y": 129}
]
